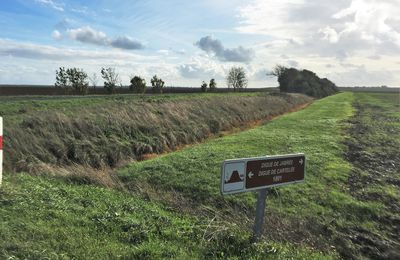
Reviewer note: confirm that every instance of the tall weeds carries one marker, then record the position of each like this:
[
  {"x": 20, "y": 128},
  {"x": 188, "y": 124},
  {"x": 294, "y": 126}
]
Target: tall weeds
[{"x": 104, "y": 135}]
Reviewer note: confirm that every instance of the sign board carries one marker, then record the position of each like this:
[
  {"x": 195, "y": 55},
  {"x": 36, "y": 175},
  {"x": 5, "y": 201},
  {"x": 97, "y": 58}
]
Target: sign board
[{"x": 241, "y": 175}]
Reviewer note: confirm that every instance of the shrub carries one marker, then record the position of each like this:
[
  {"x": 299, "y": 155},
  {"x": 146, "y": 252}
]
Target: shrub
[{"x": 138, "y": 85}]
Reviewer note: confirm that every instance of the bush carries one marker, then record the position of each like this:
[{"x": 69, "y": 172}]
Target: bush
[{"x": 138, "y": 85}]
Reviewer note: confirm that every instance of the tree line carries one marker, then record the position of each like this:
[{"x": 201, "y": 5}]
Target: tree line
[
  {"x": 303, "y": 81},
  {"x": 76, "y": 79},
  {"x": 290, "y": 80}
]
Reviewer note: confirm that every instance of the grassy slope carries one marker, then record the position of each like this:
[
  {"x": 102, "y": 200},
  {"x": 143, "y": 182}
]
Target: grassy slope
[{"x": 104, "y": 131}]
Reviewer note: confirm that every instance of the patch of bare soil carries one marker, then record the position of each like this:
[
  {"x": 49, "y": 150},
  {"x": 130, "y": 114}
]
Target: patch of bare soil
[{"x": 374, "y": 153}]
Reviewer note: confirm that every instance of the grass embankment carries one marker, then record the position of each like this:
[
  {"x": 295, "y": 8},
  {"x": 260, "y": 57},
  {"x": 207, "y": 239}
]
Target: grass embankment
[
  {"x": 171, "y": 207},
  {"x": 103, "y": 131}
]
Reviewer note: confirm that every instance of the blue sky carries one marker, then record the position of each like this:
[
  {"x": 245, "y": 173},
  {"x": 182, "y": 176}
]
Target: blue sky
[{"x": 352, "y": 42}]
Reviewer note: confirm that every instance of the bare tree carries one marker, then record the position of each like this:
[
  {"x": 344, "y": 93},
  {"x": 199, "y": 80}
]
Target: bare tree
[
  {"x": 94, "y": 79},
  {"x": 236, "y": 78}
]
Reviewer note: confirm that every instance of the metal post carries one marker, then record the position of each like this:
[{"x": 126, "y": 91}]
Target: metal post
[{"x": 258, "y": 223}]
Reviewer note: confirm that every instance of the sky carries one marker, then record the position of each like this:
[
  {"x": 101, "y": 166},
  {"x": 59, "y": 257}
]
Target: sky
[{"x": 351, "y": 42}]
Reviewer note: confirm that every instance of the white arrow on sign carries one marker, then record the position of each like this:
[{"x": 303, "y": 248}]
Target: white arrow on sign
[
  {"x": 301, "y": 161},
  {"x": 251, "y": 175}
]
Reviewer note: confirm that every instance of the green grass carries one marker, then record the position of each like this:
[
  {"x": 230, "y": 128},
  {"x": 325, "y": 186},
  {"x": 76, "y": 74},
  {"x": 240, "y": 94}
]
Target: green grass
[
  {"x": 171, "y": 206},
  {"x": 315, "y": 131},
  {"x": 43, "y": 217},
  {"x": 16, "y": 106},
  {"x": 373, "y": 149},
  {"x": 314, "y": 213}
]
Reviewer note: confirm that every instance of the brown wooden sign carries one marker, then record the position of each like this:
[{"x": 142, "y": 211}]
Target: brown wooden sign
[{"x": 240, "y": 175}]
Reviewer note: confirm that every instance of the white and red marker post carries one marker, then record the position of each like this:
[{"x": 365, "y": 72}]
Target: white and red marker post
[{"x": 1, "y": 149}]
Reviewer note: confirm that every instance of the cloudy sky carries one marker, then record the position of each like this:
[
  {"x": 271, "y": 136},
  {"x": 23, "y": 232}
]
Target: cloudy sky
[{"x": 352, "y": 42}]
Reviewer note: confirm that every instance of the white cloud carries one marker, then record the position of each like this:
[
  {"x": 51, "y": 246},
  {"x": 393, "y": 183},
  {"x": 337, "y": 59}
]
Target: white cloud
[
  {"x": 365, "y": 33},
  {"x": 268, "y": 17},
  {"x": 127, "y": 43},
  {"x": 52, "y": 4},
  {"x": 201, "y": 68},
  {"x": 360, "y": 76},
  {"x": 45, "y": 52},
  {"x": 330, "y": 34},
  {"x": 349, "y": 25},
  {"x": 27, "y": 63},
  {"x": 215, "y": 47},
  {"x": 56, "y": 35},
  {"x": 86, "y": 34}
]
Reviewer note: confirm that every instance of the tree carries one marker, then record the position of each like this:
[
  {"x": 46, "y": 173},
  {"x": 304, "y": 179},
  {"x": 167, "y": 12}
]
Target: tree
[
  {"x": 61, "y": 78},
  {"x": 111, "y": 79},
  {"x": 78, "y": 80},
  {"x": 204, "y": 87},
  {"x": 94, "y": 79},
  {"x": 212, "y": 85},
  {"x": 157, "y": 84},
  {"x": 277, "y": 71},
  {"x": 138, "y": 85},
  {"x": 236, "y": 78},
  {"x": 303, "y": 81},
  {"x": 72, "y": 78}
]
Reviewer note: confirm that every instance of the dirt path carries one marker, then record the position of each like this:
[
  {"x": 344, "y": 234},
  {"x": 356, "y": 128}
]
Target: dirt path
[{"x": 373, "y": 149}]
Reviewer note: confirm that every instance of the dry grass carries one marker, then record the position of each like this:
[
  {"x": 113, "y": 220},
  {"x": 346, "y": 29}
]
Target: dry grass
[{"x": 103, "y": 136}]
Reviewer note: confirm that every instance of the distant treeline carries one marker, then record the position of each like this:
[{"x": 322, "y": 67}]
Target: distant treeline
[{"x": 18, "y": 90}]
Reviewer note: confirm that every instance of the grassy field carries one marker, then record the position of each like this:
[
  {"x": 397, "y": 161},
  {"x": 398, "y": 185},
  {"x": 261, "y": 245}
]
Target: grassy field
[{"x": 170, "y": 206}]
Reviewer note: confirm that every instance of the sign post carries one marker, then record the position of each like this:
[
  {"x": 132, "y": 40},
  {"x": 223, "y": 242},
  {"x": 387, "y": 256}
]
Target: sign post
[
  {"x": 260, "y": 209},
  {"x": 261, "y": 173}
]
